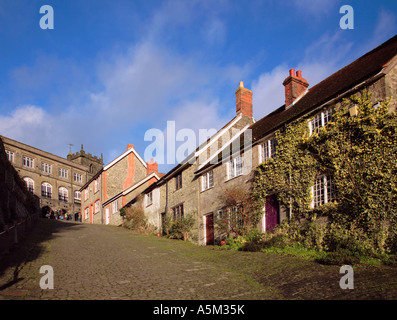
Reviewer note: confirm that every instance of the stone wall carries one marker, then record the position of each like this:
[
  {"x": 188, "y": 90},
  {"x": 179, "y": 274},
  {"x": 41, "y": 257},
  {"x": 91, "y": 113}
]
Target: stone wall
[
  {"x": 391, "y": 86},
  {"x": 70, "y": 203},
  {"x": 19, "y": 209}
]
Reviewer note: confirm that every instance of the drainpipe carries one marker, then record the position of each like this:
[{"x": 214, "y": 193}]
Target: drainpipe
[{"x": 166, "y": 197}]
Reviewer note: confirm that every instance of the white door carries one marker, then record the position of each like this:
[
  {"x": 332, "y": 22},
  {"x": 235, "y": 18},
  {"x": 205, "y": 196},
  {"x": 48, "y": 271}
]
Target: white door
[{"x": 107, "y": 216}]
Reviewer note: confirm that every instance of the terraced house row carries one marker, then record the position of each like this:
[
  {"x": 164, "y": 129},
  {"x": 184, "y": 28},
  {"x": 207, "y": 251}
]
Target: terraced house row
[{"x": 230, "y": 156}]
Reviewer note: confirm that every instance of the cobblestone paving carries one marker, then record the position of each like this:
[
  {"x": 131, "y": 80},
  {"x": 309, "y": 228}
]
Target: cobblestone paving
[{"x": 104, "y": 263}]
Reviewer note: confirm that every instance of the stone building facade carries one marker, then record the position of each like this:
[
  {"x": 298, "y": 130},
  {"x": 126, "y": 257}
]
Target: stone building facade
[
  {"x": 114, "y": 186},
  {"x": 194, "y": 185},
  {"x": 19, "y": 209},
  {"x": 55, "y": 180}
]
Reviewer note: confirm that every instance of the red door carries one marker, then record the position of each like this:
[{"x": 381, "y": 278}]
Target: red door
[
  {"x": 271, "y": 213},
  {"x": 209, "y": 229}
]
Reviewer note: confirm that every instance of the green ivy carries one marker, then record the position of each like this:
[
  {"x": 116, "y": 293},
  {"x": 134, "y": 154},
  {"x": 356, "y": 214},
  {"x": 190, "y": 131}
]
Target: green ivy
[
  {"x": 359, "y": 153},
  {"x": 290, "y": 173}
]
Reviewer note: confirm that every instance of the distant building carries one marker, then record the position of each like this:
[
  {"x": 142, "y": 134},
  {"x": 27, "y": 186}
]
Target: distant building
[
  {"x": 114, "y": 186},
  {"x": 55, "y": 180}
]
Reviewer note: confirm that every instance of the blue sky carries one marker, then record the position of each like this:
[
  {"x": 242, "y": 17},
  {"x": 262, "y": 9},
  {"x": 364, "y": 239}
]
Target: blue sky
[{"x": 111, "y": 70}]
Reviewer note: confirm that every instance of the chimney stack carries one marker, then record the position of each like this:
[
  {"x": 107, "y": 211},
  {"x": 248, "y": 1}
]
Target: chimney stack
[
  {"x": 244, "y": 101},
  {"x": 152, "y": 167},
  {"x": 129, "y": 146},
  {"x": 295, "y": 86}
]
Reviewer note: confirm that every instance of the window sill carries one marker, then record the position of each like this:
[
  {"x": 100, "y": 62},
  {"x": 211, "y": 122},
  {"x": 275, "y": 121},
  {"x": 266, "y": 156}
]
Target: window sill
[
  {"x": 207, "y": 189},
  {"x": 232, "y": 178}
]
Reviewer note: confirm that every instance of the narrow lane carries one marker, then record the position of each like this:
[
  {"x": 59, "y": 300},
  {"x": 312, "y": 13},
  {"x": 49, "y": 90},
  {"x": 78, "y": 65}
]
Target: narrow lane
[
  {"x": 99, "y": 262},
  {"x": 106, "y": 262}
]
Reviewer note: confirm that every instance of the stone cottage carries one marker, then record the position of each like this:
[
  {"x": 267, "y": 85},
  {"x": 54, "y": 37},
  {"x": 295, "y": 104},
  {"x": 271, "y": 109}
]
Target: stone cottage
[
  {"x": 230, "y": 156},
  {"x": 114, "y": 185}
]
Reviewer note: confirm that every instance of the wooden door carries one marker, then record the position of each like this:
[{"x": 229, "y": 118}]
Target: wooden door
[
  {"x": 209, "y": 229},
  {"x": 272, "y": 212}
]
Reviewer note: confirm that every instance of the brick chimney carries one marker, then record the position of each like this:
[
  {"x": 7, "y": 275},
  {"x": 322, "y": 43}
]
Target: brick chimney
[
  {"x": 295, "y": 86},
  {"x": 152, "y": 167},
  {"x": 129, "y": 146},
  {"x": 244, "y": 101}
]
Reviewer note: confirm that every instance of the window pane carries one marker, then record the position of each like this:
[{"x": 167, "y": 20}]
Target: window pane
[
  {"x": 265, "y": 151},
  {"x": 210, "y": 179},
  {"x": 327, "y": 116},
  {"x": 273, "y": 145},
  {"x": 319, "y": 192},
  {"x": 316, "y": 123},
  {"x": 239, "y": 165}
]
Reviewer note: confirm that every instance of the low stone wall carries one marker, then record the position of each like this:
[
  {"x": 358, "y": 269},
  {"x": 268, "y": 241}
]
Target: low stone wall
[{"x": 19, "y": 209}]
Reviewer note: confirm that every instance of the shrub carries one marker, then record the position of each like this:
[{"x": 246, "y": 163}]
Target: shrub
[
  {"x": 240, "y": 212},
  {"x": 180, "y": 228},
  {"x": 134, "y": 219},
  {"x": 234, "y": 243},
  {"x": 253, "y": 241},
  {"x": 340, "y": 257}
]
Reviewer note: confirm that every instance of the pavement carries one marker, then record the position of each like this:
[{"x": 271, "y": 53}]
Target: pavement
[{"x": 97, "y": 262}]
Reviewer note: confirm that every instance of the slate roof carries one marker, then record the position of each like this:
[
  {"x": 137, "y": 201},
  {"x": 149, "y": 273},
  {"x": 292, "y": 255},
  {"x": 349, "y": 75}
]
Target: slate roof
[{"x": 351, "y": 75}]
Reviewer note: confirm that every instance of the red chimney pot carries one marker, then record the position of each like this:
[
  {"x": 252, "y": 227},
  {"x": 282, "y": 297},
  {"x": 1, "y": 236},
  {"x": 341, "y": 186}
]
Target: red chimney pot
[{"x": 295, "y": 86}]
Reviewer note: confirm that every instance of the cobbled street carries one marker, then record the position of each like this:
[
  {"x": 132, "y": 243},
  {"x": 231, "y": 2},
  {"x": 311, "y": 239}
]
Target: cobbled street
[{"x": 104, "y": 263}]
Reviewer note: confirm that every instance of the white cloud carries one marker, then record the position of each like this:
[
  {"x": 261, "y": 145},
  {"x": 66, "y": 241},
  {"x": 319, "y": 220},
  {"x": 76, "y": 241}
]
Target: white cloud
[
  {"x": 384, "y": 29},
  {"x": 268, "y": 91},
  {"x": 214, "y": 32},
  {"x": 322, "y": 58},
  {"x": 314, "y": 8},
  {"x": 28, "y": 124},
  {"x": 145, "y": 85}
]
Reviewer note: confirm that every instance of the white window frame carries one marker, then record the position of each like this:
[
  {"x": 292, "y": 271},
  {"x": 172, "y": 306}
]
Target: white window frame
[
  {"x": 46, "y": 167},
  {"x": 149, "y": 198},
  {"x": 86, "y": 213},
  {"x": 234, "y": 167},
  {"x": 77, "y": 177},
  {"x": 10, "y": 155},
  {"x": 86, "y": 194},
  {"x": 63, "y": 173},
  {"x": 77, "y": 195},
  {"x": 115, "y": 207},
  {"x": 268, "y": 149},
  {"x": 319, "y": 120},
  {"x": 322, "y": 191},
  {"x": 47, "y": 188},
  {"x": 63, "y": 193},
  {"x": 96, "y": 185},
  {"x": 96, "y": 206},
  {"x": 207, "y": 180},
  {"x": 29, "y": 183},
  {"x": 28, "y": 162}
]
